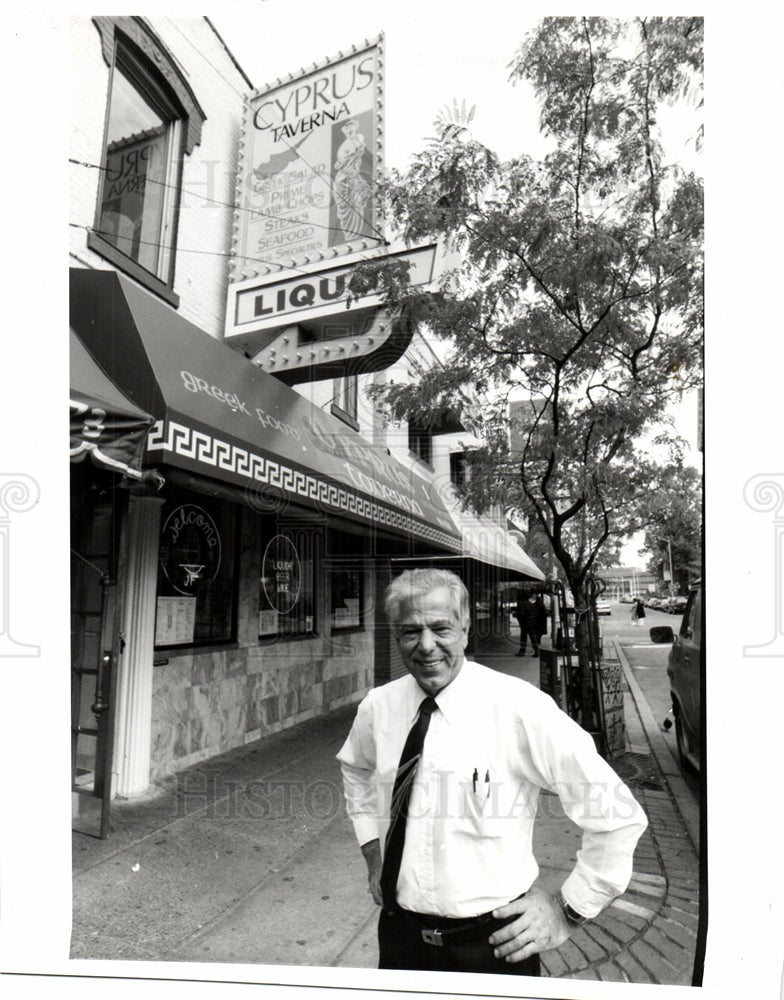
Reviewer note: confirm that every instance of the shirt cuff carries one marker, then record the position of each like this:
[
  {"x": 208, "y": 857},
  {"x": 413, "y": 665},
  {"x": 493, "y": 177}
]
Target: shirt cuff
[
  {"x": 365, "y": 829},
  {"x": 584, "y": 896}
]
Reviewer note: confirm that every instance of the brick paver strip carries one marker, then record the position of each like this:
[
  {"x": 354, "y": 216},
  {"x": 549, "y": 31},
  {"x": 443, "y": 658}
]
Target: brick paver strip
[
  {"x": 677, "y": 949},
  {"x": 593, "y": 950},
  {"x": 553, "y": 965},
  {"x": 572, "y": 955},
  {"x": 679, "y": 869},
  {"x": 616, "y": 928},
  {"x": 643, "y": 913},
  {"x": 610, "y": 973},
  {"x": 635, "y": 972},
  {"x": 675, "y": 930},
  {"x": 689, "y": 894},
  {"x": 647, "y": 890},
  {"x": 688, "y": 906},
  {"x": 601, "y": 937},
  {"x": 657, "y": 966},
  {"x": 638, "y": 877},
  {"x": 681, "y": 882}
]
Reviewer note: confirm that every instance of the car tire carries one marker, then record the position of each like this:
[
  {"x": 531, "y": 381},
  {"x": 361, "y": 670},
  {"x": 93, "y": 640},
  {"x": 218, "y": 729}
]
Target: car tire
[{"x": 682, "y": 741}]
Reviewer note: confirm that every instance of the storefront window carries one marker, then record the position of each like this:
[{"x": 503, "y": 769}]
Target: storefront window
[
  {"x": 196, "y": 595},
  {"x": 287, "y": 585},
  {"x": 346, "y": 598}
]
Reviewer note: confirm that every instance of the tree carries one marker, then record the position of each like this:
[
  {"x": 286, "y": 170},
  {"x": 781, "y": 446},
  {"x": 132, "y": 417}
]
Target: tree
[
  {"x": 580, "y": 288},
  {"x": 673, "y": 519}
]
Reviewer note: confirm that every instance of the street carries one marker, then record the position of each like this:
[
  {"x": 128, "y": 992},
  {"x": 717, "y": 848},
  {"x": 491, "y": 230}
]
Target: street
[{"x": 649, "y": 663}]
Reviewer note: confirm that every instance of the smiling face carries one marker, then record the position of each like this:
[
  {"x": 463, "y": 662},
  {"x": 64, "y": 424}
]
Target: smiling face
[{"x": 432, "y": 639}]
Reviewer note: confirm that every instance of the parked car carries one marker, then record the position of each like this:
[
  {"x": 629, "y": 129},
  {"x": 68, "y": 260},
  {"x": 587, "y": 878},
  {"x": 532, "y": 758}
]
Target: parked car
[
  {"x": 627, "y": 599},
  {"x": 684, "y": 669},
  {"x": 677, "y": 605},
  {"x": 602, "y": 608}
]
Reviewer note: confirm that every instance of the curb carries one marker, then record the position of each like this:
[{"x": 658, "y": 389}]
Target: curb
[{"x": 666, "y": 760}]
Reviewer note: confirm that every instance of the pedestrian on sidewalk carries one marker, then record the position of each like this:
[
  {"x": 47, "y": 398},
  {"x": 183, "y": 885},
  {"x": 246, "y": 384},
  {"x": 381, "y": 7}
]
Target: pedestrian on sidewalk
[
  {"x": 529, "y": 619},
  {"x": 638, "y": 613},
  {"x": 455, "y": 809}
]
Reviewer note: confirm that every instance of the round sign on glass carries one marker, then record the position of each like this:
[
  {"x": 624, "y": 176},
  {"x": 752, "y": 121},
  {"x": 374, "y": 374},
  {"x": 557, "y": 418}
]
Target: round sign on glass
[
  {"x": 281, "y": 574},
  {"x": 190, "y": 551}
]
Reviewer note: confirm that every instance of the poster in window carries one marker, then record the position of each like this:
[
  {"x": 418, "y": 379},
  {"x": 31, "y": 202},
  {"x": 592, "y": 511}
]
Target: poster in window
[
  {"x": 346, "y": 598},
  {"x": 268, "y": 622},
  {"x": 175, "y": 621}
]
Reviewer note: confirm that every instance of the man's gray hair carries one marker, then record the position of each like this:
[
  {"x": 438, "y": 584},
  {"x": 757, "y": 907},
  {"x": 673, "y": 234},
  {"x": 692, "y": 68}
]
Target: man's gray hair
[{"x": 417, "y": 582}]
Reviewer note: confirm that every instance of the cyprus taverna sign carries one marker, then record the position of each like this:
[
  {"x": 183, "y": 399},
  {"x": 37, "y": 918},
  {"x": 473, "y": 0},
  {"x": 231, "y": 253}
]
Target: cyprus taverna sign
[{"x": 311, "y": 150}]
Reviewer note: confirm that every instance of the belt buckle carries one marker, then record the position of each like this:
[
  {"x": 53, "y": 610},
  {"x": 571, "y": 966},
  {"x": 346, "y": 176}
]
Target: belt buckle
[{"x": 432, "y": 937}]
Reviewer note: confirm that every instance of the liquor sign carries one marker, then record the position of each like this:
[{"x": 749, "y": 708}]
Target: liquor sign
[
  {"x": 281, "y": 574},
  {"x": 311, "y": 153},
  {"x": 278, "y": 301}
]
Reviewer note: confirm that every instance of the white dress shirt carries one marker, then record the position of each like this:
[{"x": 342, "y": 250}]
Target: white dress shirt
[{"x": 493, "y": 743}]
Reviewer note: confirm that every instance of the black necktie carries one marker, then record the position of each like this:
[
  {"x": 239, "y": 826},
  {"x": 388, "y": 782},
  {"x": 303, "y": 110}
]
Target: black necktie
[{"x": 396, "y": 835}]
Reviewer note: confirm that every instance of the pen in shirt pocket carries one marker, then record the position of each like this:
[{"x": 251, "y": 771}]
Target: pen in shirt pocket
[{"x": 475, "y": 779}]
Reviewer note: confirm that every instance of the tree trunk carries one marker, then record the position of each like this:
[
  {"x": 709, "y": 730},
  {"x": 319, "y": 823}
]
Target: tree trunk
[{"x": 583, "y": 645}]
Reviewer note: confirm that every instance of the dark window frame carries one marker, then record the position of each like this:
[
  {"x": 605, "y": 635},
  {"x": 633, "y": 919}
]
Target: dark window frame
[
  {"x": 420, "y": 442},
  {"x": 129, "y": 46},
  {"x": 315, "y": 541},
  {"x": 345, "y": 404},
  {"x": 231, "y": 553}
]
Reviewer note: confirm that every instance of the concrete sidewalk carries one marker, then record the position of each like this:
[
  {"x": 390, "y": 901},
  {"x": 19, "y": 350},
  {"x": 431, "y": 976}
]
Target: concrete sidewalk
[{"x": 249, "y": 858}]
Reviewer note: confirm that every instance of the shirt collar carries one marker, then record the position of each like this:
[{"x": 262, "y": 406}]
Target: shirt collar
[{"x": 454, "y": 694}]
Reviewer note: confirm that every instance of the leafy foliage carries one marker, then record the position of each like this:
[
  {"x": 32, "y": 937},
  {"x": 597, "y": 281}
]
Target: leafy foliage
[
  {"x": 673, "y": 514},
  {"x": 581, "y": 284}
]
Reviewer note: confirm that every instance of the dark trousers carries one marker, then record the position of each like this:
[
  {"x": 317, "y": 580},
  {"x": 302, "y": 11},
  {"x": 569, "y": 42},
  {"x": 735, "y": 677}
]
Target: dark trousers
[
  {"x": 529, "y": 632},
  {"x": 401, "y": 946}
]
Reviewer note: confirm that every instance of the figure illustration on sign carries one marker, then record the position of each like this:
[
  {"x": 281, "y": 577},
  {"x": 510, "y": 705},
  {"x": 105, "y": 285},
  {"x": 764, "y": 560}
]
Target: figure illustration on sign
[
  {"x": 193, "y": 572},
  {"x": 351, "y": 190}
]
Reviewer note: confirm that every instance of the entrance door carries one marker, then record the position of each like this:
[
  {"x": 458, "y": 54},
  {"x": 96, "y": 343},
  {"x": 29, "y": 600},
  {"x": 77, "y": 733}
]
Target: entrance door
[{"x": 94, "y": 524}]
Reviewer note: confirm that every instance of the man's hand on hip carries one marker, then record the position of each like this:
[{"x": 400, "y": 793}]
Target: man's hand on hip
[
  {"x": 371, "y": 852},
  {"x": 539, "y": 925}
]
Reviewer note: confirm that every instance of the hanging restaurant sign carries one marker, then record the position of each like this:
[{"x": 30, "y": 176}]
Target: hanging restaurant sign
[{"x": 310, "y": 157}]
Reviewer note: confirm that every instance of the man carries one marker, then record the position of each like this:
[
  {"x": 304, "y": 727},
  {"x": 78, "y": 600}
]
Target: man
[
  {"x": 455, "y": 810},
  {"x": 529, "y": 618}
]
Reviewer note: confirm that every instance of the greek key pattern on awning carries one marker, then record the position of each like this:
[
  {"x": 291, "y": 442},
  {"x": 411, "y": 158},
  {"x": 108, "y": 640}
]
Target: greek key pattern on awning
[{"x": 172, "y": 438}]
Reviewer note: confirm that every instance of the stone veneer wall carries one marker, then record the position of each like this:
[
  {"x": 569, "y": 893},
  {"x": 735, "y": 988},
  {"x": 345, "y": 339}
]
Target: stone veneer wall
[{"x": 207, "y": 702}]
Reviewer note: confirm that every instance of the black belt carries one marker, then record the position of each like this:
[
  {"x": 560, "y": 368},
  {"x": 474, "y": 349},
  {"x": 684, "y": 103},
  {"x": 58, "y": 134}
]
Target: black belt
[{"x": 445, "y": 931}]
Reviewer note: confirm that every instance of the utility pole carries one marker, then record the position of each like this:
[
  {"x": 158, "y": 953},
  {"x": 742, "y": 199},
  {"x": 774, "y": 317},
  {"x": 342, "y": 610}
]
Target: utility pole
[{"x": 669, "y": 551}]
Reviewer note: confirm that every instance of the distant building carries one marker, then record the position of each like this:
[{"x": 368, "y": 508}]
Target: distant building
[{"x": 628, "y": 580}]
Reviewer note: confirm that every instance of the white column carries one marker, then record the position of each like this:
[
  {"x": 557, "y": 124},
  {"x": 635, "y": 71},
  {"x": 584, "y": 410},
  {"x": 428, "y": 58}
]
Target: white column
[{"x": 133, "y": 712}]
